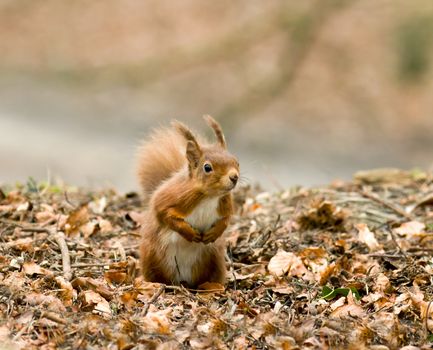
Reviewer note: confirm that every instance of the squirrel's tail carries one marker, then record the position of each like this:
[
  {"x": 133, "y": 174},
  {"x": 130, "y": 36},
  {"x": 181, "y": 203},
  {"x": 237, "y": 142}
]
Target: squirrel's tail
[{"x": 161, "y": 155}]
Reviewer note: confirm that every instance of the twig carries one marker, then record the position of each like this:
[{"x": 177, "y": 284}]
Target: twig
[
  {"x": 53, "y": 317},
  {"x": 59, "y": 237},
  {"x": 392, "y": 256},
  {"x": 153, "y": 299},
  {"x": 78, "y": 265},
  {"x": 419, "y": 249},
  {"x": 66, "y": 260},
  {"x": 385, "y": 203}
]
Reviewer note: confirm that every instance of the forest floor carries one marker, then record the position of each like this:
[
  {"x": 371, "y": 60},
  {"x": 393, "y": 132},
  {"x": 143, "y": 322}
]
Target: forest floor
[{"x": 345, "y": 266}]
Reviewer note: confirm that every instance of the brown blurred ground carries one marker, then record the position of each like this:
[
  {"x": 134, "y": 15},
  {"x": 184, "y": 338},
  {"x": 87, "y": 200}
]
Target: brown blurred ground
[{"x": 307, "y": 91}]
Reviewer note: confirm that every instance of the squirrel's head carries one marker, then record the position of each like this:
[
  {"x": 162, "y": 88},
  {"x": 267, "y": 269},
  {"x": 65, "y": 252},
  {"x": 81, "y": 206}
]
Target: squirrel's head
[{"x": 212, "y": 166}]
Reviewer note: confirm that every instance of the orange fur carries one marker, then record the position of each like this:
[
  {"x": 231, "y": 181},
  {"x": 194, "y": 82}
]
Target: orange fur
[{"x": 188, "y": 207}]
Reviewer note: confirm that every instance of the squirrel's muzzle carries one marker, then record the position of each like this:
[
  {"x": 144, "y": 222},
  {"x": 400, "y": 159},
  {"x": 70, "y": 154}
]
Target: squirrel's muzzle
[{"x": 234, "y": 178}]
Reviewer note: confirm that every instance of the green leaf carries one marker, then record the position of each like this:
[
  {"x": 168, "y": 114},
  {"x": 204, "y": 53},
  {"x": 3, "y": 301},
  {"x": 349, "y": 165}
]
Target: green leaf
[
  {"x": 329, "y": 293},
  {"x": 430, "y": 338}
]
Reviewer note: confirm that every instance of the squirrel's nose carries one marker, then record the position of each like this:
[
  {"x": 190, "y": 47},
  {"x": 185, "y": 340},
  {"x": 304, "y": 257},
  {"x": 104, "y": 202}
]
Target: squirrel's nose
[{"x": 234, "y": 178}]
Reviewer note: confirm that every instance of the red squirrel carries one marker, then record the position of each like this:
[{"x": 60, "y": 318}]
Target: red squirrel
[{"x": 187, "y": 184}]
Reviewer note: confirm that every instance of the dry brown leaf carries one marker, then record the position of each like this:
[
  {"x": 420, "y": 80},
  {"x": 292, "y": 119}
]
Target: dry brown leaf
[
  {"x": 384, "y": 324},
  {"x": 105, "y": 226},
  {"x": 51, "y": 302},
  {"x": 158, "y": 321},
  {"x": 327, "y": 273},
  {"x": 31, "y": 268},
  {"x": 246, "y": 309},
  {"x": 45, "y": 216},
  {"x": 88, "y": 229},
  {"x": 240, "y": 277},
  {"x": 284, "y": 262},
  {"x": 129, "y": 299},
  {"x": 94, "y": 301},
  {"x": 115, "y": 276},
  {"x": 382, "y": 284},
  {"x": 338, "y": 303},
  {"x": 76, "y": 219},
  {"x": 350, "y": 310},
  {"x": 22, "y": 244},
  {"x": 425, "y": 307},
  {"x": 146, "y": 289},
  {"x": 410, "y": 228},
  {"x": 288, "y": 290},
  {"x": 83, "y": 283},
  {"x": 68, "y": 293},
  {"x": 211, "y": 287},
  {"x": 367, "y": 237},
  {"x": 23, "y": 207}
]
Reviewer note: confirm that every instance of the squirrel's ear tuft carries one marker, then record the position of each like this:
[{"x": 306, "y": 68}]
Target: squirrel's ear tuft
[
  {"x": 217, "y": 129},
  {"x": 185, "y": 132},
  {"x": 193, "y": 154}
]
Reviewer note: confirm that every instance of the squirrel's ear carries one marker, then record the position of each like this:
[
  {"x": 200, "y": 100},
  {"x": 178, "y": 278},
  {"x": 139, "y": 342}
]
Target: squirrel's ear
[
  {"x": 193, "y": 154},
  {"x": 185, "y": 131},
  {"x": 217, "y": 129}
]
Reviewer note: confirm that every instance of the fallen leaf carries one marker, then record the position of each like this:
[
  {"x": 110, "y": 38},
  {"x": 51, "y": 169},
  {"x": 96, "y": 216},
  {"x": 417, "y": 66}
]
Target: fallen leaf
[
  {"x": 382, "y": 283},
  {"x": 67, "y": 293},
  {"x": 94, "y": 301},
  {"x": 31, "y": 268},
  {"x": 338, "y": 303},
  {"x": 105, "y": 226},
  {"x": 51, "y": 302},
  {"x": 76, "y": 219},
  {"x": 351, "y": 310},
  {"x": 211, "y": 286},
  {"x": 84, "y": 283},
  {"x": 23, "y": 207},
  {"x": 22, "y": 244},
  {"x": 367, "y": 237},
  {"x": 410, "y": 228},
  {"x": 284, "y": 262},
  {"x": 115, "y": 276},
  {"x": 158, "y": 321}
]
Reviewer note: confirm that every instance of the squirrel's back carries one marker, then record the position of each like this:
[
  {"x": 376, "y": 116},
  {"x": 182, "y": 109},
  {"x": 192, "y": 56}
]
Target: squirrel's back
[{"x": 159, "y": 157}]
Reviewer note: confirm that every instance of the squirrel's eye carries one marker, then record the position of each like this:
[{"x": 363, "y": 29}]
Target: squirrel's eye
[{"x": 207, "y": 168}]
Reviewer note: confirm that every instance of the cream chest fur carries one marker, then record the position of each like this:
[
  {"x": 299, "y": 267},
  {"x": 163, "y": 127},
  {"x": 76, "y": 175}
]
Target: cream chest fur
[{"x": 181, "y": 255}]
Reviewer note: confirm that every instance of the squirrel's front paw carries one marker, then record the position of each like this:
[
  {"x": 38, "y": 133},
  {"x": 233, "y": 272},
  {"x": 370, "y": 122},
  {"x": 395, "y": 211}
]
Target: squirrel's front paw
[
  {"x": 210, "y": 235},
  {"x": 192, "y": 236}
]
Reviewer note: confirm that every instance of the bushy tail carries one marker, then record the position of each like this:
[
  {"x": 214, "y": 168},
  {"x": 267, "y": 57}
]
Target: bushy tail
[{"x": 161, "y": 155}]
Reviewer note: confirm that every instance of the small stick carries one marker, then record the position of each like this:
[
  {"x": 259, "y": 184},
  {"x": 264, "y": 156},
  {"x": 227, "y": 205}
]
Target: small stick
[
  {"x": 59, "y": 238},
  {"x": 391, "y": 206},
  {"x": 153, "y": 299},
  {"x": 53, "y": 317},
  {"x": 66, "y": 260},
  {"x": 419, "y": 249},
  {"x": 378, "y": 255},
  {"x": 78, "y": 265}
]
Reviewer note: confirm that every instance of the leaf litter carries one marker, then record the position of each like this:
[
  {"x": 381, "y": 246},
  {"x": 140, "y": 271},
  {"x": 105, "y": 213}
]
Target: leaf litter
[{"x": 340, "y": 267}]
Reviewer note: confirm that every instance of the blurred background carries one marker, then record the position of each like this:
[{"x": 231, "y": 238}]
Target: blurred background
[{"x": 307, "y": 91}]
